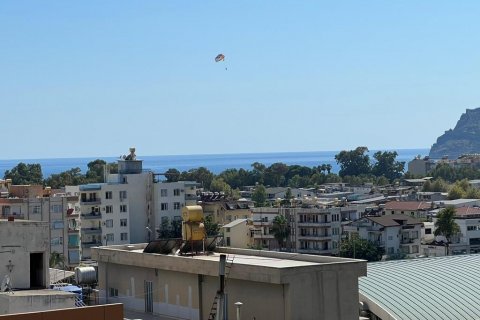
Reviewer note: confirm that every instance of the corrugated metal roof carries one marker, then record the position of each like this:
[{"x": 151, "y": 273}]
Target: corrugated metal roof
[{"x": 427, "y": 288}]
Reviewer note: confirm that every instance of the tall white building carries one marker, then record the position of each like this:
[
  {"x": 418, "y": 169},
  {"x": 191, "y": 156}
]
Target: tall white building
[{"x": 129, "y": 206}]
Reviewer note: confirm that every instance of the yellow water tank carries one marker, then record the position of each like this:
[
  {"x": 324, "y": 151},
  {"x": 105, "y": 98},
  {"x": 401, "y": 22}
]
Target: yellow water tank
[
  {"x": 192, "y": 214},
  {"x": 193, "y": 231}
]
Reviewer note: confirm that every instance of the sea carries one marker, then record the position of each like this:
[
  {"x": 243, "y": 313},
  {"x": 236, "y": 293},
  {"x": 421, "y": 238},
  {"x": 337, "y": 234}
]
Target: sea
[{"x": 214, "y": 162}]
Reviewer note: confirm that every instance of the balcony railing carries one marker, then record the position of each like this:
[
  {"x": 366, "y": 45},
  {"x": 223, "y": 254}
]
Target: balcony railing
[
  {"x": 91, "y": 230},
  {"x": 407, "y": 240},
  {"x": 315, "y": 236},
  {"x": 315, "y": 251},
  {"x": 90, "y": 201},
  {"x": 314, "y": 224},
  {"x": 87, "y": 216},
  {"x": 73, "y": 230}
]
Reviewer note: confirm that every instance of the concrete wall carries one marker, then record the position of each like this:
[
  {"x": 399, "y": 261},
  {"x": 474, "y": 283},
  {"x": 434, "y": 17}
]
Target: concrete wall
[
  {"x": 104, "y": 312},
  {"x": 18, "y": 239},
  {"x": 35, "y": 300},
  {"x": 184, "y": 287}
]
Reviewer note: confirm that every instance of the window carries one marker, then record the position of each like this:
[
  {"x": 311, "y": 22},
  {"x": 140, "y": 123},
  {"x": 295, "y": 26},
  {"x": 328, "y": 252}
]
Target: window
[
  {"x": 176, "y": 206},
  {"x": 109, "y": 237},
  {"x": 390, "y": 238},
  {"x": 56, "y": 241},
  {"x": 57, "y": 225},
  {"x": 163, "y": 192},
  {"x": 227, "y": 229},
  {"x": 176, "y": 192},
  {"x": 124, "y": 236},
  {"x": 109, "y": 209},
  {"x": 228, "y": 241},
  {"x": 56, "y": 208},
  {"x": 164, "y": 206},
  {"x": 123, "y": 208},
  {"x": 414, "y": 249},
  {"x": 108, "y": 195},
  {"x": 123, "y": 195},
  {"x": 428, "y": 231},
  {"x": 109, "y": 223},
  {"x": 414, "y": 235},
  {"x": 123, "y": 222},
  {"x": 113, "y": 292},
  {"x": 36, "y": 209}
]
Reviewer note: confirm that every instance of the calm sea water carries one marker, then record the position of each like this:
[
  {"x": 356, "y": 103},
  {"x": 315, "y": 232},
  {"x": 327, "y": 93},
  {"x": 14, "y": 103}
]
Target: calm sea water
[{"x": 214, "y": 162}]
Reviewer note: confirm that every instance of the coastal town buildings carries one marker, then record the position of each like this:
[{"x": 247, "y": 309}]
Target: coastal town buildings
[
  {"x": 271, "y": 285},
  {"x": 398, "y": 234},
  {"x": 57, "y": 207}
]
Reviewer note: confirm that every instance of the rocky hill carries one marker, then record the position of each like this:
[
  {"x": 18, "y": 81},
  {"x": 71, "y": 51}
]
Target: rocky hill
[{"x": 464, "y": 138}]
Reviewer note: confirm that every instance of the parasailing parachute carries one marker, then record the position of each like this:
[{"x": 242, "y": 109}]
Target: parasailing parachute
[{"x": 219, "y": 57}]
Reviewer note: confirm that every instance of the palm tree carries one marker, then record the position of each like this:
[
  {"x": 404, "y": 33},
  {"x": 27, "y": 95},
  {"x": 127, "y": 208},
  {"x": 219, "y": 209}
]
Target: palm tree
[
  {"x": 446, "y": 225},
  {"x": 328, "y": 167},
  {"x": 281, "y": 230}
]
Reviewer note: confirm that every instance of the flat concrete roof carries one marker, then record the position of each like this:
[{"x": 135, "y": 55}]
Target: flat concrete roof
[{"x": 252, "y": 265}]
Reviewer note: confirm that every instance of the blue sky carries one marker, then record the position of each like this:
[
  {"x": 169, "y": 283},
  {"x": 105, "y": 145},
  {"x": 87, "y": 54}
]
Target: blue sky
[{"x": 92, "y": 78}]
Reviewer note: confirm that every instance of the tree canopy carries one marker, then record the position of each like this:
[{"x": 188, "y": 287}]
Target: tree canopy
[
  {"x": 445, "y": 224},
  {"x": 281, "y": 230},
  {"x": 354, "y": 162},
  {"x": 24, "y": 173},
  {"x": 357, "y": 248}
]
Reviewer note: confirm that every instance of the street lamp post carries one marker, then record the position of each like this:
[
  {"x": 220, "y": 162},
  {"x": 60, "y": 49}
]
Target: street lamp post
[{"x": 238, "y": 305}]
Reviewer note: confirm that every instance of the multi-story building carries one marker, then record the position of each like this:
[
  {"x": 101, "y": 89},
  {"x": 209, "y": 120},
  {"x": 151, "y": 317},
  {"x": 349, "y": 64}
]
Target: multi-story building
[
  {"x": 224, "y": 210},
  {"x": 416, "y": 209},
  {"x": 398, "y": 234},
  {"x": 129, "y": 206},
  {"x": 312, "y": 230},
  {"x": 171, "y": 197},
  {"x": 57, "y": 207}
]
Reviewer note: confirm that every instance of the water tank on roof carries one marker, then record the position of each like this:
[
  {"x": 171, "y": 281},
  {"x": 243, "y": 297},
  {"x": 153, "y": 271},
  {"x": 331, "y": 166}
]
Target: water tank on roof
[{"x": 85, "y": 275}]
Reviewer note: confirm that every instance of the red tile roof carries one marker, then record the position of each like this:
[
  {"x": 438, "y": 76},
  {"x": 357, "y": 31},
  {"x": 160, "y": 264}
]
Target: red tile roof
[
  {"x": 408, "y": 205},
  {"x": 467, "y": 211}
]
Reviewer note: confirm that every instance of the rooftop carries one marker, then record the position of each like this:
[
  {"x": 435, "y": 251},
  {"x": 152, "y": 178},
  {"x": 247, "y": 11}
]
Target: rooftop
[
  {"x": 234, "y": 223},
  {"x": 251, "y": 265},
  {"x": 393, "y": 220},
  {"x": 408, "y": 205},
  {"x": 427, "y": 288}
]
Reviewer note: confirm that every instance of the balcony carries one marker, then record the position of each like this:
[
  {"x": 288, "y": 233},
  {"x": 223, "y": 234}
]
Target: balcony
[
  {"x": 73, "y": 229},
  {"x": 315, "y": 251},
  {"x": 73, "y": 245},
  {"x": 378, "y": 243},
  {"x": 314, "y": 224},
  {"x": 91, "y": 244},
  {"x": 86, "y": 202},
  {"x": 314, "y": 237},
  {"x": 14, "y": 215},
  {"x": 407, "y": 240},
  {"x": 91, "y": 230},
  {"x": 263, "y": 236},
  {"x": 88, "y": 216}
]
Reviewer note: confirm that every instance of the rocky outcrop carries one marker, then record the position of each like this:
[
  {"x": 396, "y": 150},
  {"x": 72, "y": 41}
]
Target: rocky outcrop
[{"x": 463, "y": 139}]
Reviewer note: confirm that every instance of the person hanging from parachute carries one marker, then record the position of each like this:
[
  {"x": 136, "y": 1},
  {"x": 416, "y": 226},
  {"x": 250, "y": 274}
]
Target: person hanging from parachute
[{"x": 220, "y": 57}]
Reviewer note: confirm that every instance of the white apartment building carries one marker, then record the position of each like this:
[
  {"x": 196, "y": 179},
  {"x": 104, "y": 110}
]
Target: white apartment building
[
  {"x": 129, "y": 206},
  {"x": 398, "y": 234},
  {"x": 171, "y": 197},
  {"x": 312, "y": 230}
]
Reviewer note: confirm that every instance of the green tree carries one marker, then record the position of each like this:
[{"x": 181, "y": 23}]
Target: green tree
[
  {"x": 259, "y": 195},
  {"x": 354, "y": 162},
  {"x": 445, "y": 224},
  {"x": 439, "y": 185},
  {"x": 72, "y": 177},
  {"x": 96, "y": 171},
  {"x": 172, "y": 175},
  {"x": 25, "y": 174},
  {"x": 201, "y": 175},
  {"x": 211, "y": 227},
  {"x": 456, "y": 192},
  {"x": 287, "y": 198},
  {"x": 386, "y": 165},
  {"x": 357, "y": 248},
  {"x": 281, "y": 230},
  {"x": 219, "y": 185},
  {"x": 275, "y": 174},
  {"x": 57, "y": 260}
]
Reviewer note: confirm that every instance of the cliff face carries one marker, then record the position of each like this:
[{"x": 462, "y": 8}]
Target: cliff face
[{"x": 465, "y": 138}]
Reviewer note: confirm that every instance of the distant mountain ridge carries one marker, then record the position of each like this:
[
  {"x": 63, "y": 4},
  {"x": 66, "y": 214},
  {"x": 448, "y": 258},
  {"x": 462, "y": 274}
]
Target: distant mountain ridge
[{"x": 463, "y": 139}]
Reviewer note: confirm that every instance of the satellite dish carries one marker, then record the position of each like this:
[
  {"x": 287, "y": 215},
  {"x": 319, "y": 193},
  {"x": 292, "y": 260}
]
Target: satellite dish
[{"x": 5, "y": 285}]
